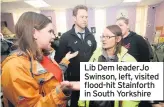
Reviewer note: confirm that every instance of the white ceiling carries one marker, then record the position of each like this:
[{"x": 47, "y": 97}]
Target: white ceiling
[{"x": 13, "y": 5}]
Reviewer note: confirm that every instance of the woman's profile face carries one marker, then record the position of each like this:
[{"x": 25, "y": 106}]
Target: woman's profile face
[
  {"x": 108, "y": 39},
  {"x": 45, "y": 36},
  {"x": 124, "y": 27}
]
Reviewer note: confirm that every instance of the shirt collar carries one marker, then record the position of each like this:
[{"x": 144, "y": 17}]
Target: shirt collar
[{"x": 78, "y": 32}]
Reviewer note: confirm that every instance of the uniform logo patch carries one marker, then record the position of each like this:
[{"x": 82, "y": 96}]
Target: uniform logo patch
[
  {"x": 75, "y": 42},
  {"x": 89, "y": 42}
]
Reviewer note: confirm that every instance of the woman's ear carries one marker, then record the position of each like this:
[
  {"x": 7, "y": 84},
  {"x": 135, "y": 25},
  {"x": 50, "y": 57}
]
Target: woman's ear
[
  {"x": 128, "y": 27},
  {"x": 35, "y": 34},
  {"x": 118, "y": 39}
]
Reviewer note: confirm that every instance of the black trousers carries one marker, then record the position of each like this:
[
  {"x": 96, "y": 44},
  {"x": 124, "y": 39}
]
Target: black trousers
[
  {"x": 101, "y": 104},
  {"x": 75, "y": 94},
  {"x": 74, "y": 98}
]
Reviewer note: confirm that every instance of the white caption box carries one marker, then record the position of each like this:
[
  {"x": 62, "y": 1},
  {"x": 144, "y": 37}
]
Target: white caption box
[{"x": 121, "y": 81}]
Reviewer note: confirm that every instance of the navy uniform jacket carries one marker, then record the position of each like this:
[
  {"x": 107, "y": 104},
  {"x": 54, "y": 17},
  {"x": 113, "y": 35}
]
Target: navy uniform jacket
[{"x": 70, "y": 41}]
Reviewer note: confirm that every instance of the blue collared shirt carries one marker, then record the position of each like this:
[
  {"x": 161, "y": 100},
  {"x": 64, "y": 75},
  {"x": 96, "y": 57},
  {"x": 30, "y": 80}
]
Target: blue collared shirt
[{"x": 79, "y": 34}]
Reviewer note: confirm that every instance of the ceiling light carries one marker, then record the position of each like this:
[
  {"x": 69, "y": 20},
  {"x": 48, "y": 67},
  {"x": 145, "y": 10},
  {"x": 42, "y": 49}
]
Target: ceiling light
[
  {"x": 131, "y": 0},
  {"x": 37, "y": 3},
  {"x": 9, "y": 0}
]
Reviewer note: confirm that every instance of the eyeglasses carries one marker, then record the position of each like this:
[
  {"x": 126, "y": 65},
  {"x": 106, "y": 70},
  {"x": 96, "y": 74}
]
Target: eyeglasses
[{"x": 106, "y": 37}]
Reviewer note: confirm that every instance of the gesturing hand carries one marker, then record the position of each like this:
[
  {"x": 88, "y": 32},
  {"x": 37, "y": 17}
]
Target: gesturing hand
[
  {"x": 66, "y": 87},
  {"x": 70, "y": 55},
  {"x": 73, "y": 85},
  {"x": 66, "y": 84}
]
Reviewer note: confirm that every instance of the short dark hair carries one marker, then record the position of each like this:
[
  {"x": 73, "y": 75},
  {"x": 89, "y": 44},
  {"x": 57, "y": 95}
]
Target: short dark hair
[
  {"x": 126, "y": 20},
  {"x": 78, "y": 7},
  {"x": 24, "y": 31}
]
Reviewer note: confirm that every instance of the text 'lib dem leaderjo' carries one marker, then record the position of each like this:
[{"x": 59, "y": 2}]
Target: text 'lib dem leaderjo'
[{"x": 121, "y": 81}]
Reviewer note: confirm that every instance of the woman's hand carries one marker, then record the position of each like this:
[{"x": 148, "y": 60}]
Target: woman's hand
[
  {"x": 75, "y": 85},
  {"x": 66, "y": 84},
  {"x": 66, "y": 87},
  {"x": 70, "y": 55}
]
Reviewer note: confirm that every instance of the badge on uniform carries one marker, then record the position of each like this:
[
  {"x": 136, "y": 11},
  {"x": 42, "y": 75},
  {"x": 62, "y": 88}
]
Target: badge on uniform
[
  {"x": 75, "y": 42},
  {"x": 89, "y": 43}
]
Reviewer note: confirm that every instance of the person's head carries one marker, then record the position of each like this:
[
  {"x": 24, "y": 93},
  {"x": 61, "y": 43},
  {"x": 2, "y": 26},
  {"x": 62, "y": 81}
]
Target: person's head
[
  {"x": 80, "y": 16},
  {"x": 34, "y": 32},
  {"x": 123, "y": 23},
  {"x": 111, "y": 37}
]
